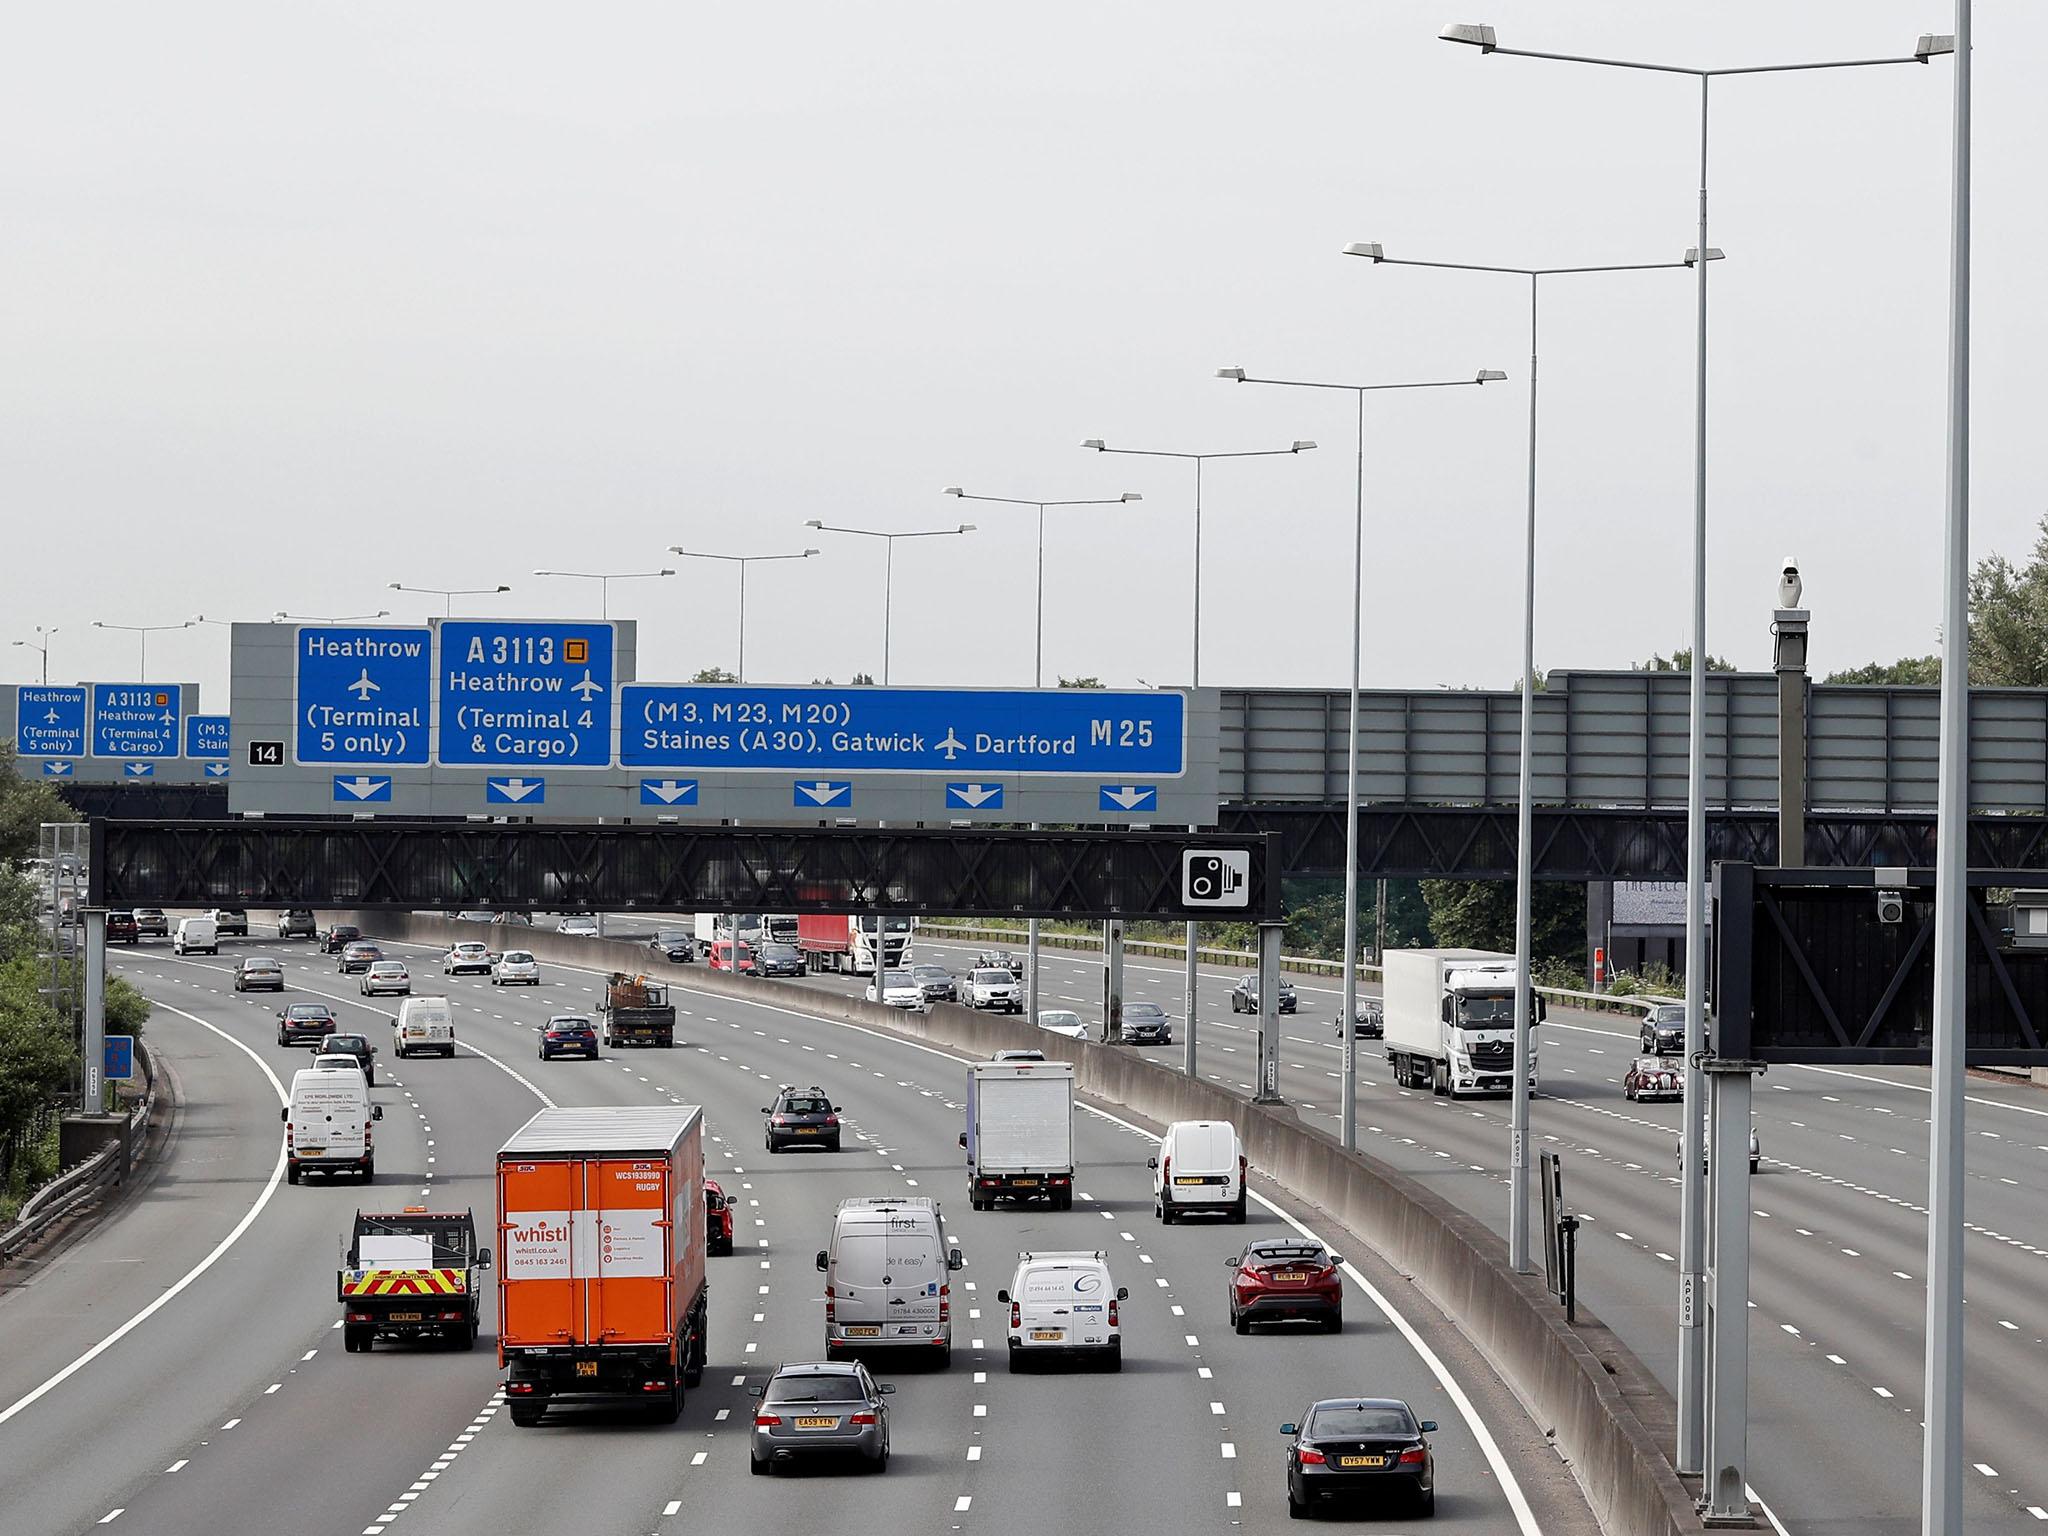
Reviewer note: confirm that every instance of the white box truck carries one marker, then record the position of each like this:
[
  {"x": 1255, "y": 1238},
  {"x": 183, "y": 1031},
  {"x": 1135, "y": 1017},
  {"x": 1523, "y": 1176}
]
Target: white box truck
[
  {"x": 1450, "y": 1020},
  {"x": 1020, "y": 1133}
]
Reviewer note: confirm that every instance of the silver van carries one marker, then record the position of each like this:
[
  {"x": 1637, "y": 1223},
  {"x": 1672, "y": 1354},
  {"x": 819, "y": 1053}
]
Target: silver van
[{"x": 888, "y": 1279}]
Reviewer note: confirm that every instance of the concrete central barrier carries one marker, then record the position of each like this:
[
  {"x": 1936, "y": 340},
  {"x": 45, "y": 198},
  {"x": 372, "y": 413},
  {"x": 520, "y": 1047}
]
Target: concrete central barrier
[{"x": 1581, "y": 1386}]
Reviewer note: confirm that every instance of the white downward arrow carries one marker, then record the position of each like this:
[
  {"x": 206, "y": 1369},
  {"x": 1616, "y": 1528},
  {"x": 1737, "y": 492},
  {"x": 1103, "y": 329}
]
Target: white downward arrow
[
  {"x": 1128, "y": 797},
  {"x": 821, "y": 792},
  {"x": 139, "y": 770},
  {"x": 516, "y": 789},
  {"x": 59, "y": 767},
  {"x": 361, "y": 786},
  {"x": 669, "y": 791},
  {"x": 217, "y": 770},
  {"x": 976, "y": 795}
]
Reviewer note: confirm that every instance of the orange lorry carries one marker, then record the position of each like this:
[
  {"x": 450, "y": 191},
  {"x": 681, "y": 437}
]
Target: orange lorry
[{"x": 601, "y": 1237}]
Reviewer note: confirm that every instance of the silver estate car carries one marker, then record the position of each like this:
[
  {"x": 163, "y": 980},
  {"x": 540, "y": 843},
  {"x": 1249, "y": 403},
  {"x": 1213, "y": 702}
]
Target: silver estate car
[{"x": 827, "y": 1408}]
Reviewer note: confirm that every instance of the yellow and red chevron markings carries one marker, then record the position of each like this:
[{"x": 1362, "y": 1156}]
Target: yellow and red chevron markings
[{"x": 404, "y": 1282}]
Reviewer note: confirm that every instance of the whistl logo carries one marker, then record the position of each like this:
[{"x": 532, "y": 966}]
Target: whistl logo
[{"x": 537, "y": 1245}]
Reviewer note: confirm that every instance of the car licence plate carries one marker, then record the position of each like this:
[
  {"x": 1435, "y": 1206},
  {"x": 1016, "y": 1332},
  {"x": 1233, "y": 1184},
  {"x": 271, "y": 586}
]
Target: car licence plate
[
  {"x": 403, "y": 1317},
  {"x": 1047, "y": 1335},
  {"x": 807, "y": 1130},
  {"x": 1025, "y": 1183},
  {"x": 1361, "y": 1461},
  {"x": 586, "y": 1367},
  {"x": 816, "y": 1423},
  {"x": 1291, "y": 1275},
  {"x": 312, "y": 1151},
  {"x": 1190, "y": 1181},
  {"x": 863, "y": 1331}
]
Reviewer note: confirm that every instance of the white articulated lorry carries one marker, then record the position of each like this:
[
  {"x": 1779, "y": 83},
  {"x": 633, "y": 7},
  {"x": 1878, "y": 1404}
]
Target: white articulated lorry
[{"x": 1450, "y": 1020}]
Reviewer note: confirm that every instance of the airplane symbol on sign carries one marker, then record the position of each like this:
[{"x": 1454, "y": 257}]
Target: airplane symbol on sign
[
  {"x": 53, "y": 717},
  {"x": 587, "y": 687},
  {"x": 952, "y": 746},
  {"x": 362, "y": 687}
]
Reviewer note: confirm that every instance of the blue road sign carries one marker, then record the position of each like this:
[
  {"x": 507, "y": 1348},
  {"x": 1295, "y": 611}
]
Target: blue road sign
[
  {"x": 216, "y": 770},
  {"x": 516, "y": 791},
  {"x": 56, "y": 768},
  {"x": 357, "y": 788},
  {"x": 49, "y": 722},
  {"x": 902, "y": 730},
  {"x": 206, "y": 736},
  {"x": 668, "y": 791},
  {"x": 517, "y": 695},
  {"x": 138, "y": 770},
  {"x": 361, "y": 695},
  {"x": 812, "y": 793},
  {"x": 1128, "y": 797},
  {"x": 975, "y": 797},
  {"x": 136, "y": 719},
  {"x": 119, "y": 1057}
]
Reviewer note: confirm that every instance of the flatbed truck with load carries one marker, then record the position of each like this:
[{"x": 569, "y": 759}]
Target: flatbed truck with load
[
  {"x": 602, "y": 1297},
  {"x": 1449, "y": 1020},
  {"x": 636, "y": 1011},
  {"x": 411, "y": 1274},
  {"x": 1020, "y": 1133}
]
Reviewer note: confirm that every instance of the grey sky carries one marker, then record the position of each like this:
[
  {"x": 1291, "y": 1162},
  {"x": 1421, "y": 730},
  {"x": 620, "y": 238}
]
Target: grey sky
[{"x": 303, "y": 300}]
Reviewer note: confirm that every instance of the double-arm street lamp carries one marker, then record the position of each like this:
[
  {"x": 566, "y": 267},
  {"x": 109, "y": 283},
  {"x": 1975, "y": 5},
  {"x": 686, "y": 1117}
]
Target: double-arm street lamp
[
  {"x": 1349, "y": 1017},
  {"x": 889, "y": 539},
  {"x": 144, "y": 631},
  {"x": 329, "y": 618},
  {"x": 449, "y": 594},
  {"x": 604, "y": 580},
  {"x": 41, "y": 644},
  {"x": 1300, "y": 445},
  {"x": 1724, "y": 1492},
  {"x": 1525, "y": 890},
  {"x": 742, "y": 561},
  {"x": 1038, "y": 662}
]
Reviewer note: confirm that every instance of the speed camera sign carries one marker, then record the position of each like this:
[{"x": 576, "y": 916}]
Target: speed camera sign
[{"x": 1219, "y": 877}]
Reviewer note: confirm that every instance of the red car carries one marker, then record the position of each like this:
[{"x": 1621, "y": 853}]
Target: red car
[
  {"x": 1654, "y": 1077},
  {"x": 717, "y": 1219},
  {"x": 1286, "y": 1279}
]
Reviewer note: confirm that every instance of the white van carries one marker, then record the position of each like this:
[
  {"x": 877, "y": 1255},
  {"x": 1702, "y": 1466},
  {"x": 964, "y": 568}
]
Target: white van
[
  {"x": 426, "y": 1026},
  {"x": 1065, "y": 1304},
  {"x": 886, "y": 1278},
  {"x": 196, "y": 934},
  {"x": 1200, "y": 1167},
  {"x": 327, "y": 1123}
]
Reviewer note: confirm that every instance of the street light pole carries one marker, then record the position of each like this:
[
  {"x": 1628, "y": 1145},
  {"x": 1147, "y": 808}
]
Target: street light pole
[
  {"x": 449, "y": 594},
  {"x": 1348, "y": 1018},
  {"x": 1692, "y": 1339},
  {"x": 742, "y": 561},
  {"x": 42, "y": 643},
  {"x": 1525, "y": 886},
  {"x": 1188, "y": 998},
  {"x": 889, "y": 578},
  {"x": 604, "y": 580},
  {"x": 144, "y": 631}
]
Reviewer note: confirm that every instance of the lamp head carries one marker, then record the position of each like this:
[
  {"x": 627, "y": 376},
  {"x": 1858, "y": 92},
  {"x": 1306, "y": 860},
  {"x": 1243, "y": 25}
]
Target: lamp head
[
  {"x": 1369, "y": 249},
  {"x": 813, "y": 522},
  {"x": 1490, "y": 376},
  {"x": 1092, "y": 442},
  {"x": 808, "y": 553},
  {"x": 503, "y": 588},
  {"x": 1302, "y": 445},
  {"x": 664, "y": 573},
  {"x": 1932, "y": 45},
  {"x": 1131, "y": 496},
  {"x": 1478, "y": 35},
  {"x": 966, "y": 528},
  {"x": 394, "y": 586},
  {"x": 1235, "y": 375},
  {"x": 1692, "y": 255},
  {"x": 951, "y": 490}
]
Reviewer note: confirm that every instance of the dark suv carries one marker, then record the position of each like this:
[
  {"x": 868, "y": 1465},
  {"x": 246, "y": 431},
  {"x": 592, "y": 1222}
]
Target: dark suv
[
  {"x": 123, "y": 929},
  {"x": 801, "y": 1117},
  {"x": 357, "y": 1046},
  {"x": 299, "y": 1022},
  {"x": 336, "y": 938},
  {"x": 152, "y": 922}
]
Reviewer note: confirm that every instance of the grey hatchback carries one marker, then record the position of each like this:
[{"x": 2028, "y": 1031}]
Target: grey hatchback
[
  {"x": 1147, "y": 1024},
  {"x": 820, "y": 1409}
]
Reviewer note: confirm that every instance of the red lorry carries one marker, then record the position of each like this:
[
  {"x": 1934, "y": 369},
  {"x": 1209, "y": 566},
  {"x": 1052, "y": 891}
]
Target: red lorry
[
  {"x": 601, "y": 1238},
  {"x": 843, "y": 943}
]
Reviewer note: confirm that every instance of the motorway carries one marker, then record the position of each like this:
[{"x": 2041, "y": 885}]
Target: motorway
[
  {"x": 1838, "y": 1236},
  {"x": 178, "y": 1368}
]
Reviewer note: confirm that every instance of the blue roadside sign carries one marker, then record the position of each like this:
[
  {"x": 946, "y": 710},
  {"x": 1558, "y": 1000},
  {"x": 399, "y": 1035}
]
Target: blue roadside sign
[
  {"x": 526, "y": 695},
  {"x": 361, "y": 695},
  {"x": 206, "y": 736},
  {"x": 119, "y": 1058},
  {"x": 49, "y": 722},
  {"x": 136, "y": 719},
  {"x": 993, "y": 732}
]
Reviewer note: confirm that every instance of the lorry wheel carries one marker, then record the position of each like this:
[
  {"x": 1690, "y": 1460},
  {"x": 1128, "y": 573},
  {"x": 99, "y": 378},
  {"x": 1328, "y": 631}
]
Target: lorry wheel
[
  {"x": 526, "y": 1415},
  {"x": 463, "y": 1336},
  {"x": 669, "y": 1407},
  {"x": 1440, "y": 1080}
]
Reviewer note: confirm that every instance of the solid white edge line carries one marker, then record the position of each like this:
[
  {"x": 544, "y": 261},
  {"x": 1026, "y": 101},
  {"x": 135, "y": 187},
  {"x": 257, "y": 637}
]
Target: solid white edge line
[{"x": 248, "y": 1219}]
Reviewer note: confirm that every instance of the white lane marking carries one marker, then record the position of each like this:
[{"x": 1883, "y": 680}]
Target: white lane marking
[
  {"x": 671, "y": 1507},
  {"x": 177, "y": 1288},
  {"x": 1987, "y": 1471},
  {"x": 963, "y": 1503},
  {"x": 179, "y": 1465}
]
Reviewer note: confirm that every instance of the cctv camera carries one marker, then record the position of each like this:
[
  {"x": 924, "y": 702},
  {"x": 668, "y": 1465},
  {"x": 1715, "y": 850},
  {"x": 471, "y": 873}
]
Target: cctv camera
[
  {"x": 1789, "y": 585},
  {"x": 1891, "y": 907}
]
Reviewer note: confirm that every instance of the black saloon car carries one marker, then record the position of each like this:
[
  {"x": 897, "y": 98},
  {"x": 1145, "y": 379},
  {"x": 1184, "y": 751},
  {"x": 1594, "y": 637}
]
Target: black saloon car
[
  {"x": 778, "y": 960},
  {"x": 298, "y": 1023},
  {"x": 1147, "y": 1024},
  {"x": 357, "y": 1046},
  {"x": 676, "y": 945},
  {"x": 1244, "y": 997},
  {"x": 339, "y": 937},
  {"x": 1359, "y": 1448},
  {"x": 1664, "y": 1030}
]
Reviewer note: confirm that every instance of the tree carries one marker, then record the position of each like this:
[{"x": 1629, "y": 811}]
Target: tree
[
  {"x": 25, "y": 804},
  {"x": 714, "y": 675},
  {"x": 1680, "y": 660},
  {"x": 2009, "y": 619},
  {"x": 1480, "y": 914},
  {"x": 1080, "y": 682},
  {"x": 862, "y": 680},
  {"x": 1906, "y": 671}
]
